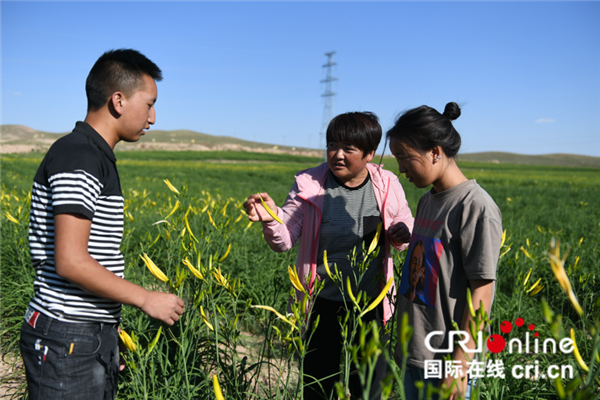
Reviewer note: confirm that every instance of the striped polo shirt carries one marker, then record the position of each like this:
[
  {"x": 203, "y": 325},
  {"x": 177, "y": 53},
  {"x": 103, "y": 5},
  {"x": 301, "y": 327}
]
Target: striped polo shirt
[
  {"x": 350, "y": 218},
  {"x": 77, "y": 176}
]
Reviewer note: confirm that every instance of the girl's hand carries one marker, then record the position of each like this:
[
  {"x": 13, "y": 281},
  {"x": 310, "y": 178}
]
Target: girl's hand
[
  {"x": 459, "y": 390},
  {"x": 400, "y": 233},
  {"x": 255, "y": 210}
]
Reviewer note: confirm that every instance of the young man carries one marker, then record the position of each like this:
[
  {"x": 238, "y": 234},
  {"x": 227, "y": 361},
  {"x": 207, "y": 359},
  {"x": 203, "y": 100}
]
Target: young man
[{"x": 69, "y": 340}]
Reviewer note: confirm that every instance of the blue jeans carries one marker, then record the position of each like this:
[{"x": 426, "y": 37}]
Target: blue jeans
[
  {"x": 66, "y": 360},
  {"x": 415, "y": 374}
]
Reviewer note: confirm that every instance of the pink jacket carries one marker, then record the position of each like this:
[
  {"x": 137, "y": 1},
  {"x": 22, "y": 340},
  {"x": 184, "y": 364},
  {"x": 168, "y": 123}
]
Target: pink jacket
[{"x": 301, "y": 215}]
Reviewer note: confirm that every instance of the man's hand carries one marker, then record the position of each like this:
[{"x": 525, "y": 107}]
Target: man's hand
[
  {"x": 73, "y": 262},
  {"x": 166, "y": 307}
]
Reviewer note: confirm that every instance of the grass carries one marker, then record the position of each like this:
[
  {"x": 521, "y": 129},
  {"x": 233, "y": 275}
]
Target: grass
[
  {"x": 537, "y": 203},
  {"x": 214, "y": 155}
]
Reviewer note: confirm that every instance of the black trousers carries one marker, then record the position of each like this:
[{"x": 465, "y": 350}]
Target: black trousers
[
  {"x": 75, "y": 361},
  {"x": 322, "y": 363}
]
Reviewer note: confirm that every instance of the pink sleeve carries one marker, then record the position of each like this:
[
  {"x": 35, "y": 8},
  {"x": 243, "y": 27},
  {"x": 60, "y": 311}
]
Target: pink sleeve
[
  {"x": 282, "y": 237},
  {"x": 404, "y": 214}
]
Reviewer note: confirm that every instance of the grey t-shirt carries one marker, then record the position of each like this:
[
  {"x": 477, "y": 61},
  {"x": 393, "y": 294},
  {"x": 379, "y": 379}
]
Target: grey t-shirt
[
  {"x": 350, "y": 217},
  {"x": 456, "y": 237}
]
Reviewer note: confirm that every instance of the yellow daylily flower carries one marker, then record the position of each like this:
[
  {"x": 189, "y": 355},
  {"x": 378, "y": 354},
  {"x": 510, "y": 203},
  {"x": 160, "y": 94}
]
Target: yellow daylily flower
[
  {"x": 293, "y": 274},
  {"x": 375, "y": 239},
  {"x": 534, "y": 285},
  {"x": 217, "y": 388},
  {"x": 526, "y": 253},
  {"x": 211, "y": 219},
  {"x": 349, "y": 288},
  {"x": 170, "y": 185},
  {"x": 221, "y": 280},
  {"x": 576, "y": 262},
  {"x": 224, "y": 210},
  {"x": 557, "y": 264},
  {"x": 527, "y": 277},
  {"x": 11, "y": 218},
  {"x": 271, "y": 213},
  {"x": 576, "y": 353},
  {"x": 187, "y": 225},
  {"x": 194, "y": 271},
  {"x": 155, "y": 240},
  {"x": 379, "y": 298},
  {"x": 537, "y": 290},
  {"x": 279, "y": 315},
  {"x": 327, "y": 265},
  {"x": 177, "y": 204},
  {"x": 205, "y": 319},
  {"x": 127, "y": 341},
  {"x": 226, "y": 253},
  {"x": 154, "y": 269}
]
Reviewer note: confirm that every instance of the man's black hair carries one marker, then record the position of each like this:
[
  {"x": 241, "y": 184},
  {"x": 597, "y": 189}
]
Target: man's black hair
[{"x": 117, "y": 71}]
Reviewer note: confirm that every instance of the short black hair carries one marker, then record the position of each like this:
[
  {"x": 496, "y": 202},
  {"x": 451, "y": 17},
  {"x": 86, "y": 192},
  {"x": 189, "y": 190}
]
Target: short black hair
[
  {"x": 424, "y": 128},
  {"x": 360, "y": 129},
  {"x": 117, "y": 71}
]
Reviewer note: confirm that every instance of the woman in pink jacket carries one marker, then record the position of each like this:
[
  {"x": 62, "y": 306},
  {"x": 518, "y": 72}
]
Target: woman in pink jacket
[{"x": 336, "y": 207}]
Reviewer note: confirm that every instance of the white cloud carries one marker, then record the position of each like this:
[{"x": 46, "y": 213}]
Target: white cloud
[{"x": 544, "y": 121}]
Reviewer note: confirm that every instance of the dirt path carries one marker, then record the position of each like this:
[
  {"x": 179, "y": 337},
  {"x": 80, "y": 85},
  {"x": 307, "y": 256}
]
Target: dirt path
[
  {"x": 12, "y": 377},
  {"x": 12, "y": 373}
]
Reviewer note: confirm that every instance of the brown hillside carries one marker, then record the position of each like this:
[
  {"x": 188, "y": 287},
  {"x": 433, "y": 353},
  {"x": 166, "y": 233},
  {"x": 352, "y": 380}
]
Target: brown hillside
[{"x": 22, "y": 139}]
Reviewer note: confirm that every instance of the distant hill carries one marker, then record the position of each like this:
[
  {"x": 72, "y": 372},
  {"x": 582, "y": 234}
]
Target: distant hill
[
  {"x": 565, "y": 160},
  {"x": 22, "y": 139},
  {"x": 17, "y": 137}
]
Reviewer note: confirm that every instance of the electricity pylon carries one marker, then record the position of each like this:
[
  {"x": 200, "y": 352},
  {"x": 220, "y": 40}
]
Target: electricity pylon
[{"x": 328, "y": 96}]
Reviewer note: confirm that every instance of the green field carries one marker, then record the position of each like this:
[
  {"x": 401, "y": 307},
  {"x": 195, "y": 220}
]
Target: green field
[{"x": 249, "y": 348}]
